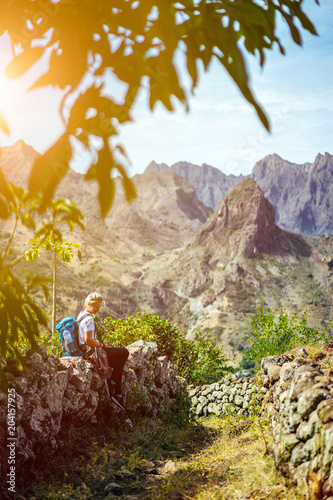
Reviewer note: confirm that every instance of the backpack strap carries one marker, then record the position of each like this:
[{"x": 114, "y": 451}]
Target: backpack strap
[{"x": 85, "y": 315}]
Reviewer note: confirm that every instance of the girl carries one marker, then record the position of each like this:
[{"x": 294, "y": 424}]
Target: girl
[{"x": 117, "y": 356}]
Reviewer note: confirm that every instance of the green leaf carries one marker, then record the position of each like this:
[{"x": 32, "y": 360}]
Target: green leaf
[
  {"x": 3, "y": 124},
  {"x": 5, "y": 188},
  {"x": 31, "y": 254},
  {"x": 296, "y": 36},
  {"x": 28, "y": 221},
  {"x": 50, "y": 168},
  {"x": 129, "y": 188},
  {"x": 63, "y": 72},
  {"x": 18, "y": 314},
  {"x": 4, "y": 212},
  {"x": 101, "y": 171},
  {"x": 137, "y": 44},
  {"x": 22, "y": 62}
]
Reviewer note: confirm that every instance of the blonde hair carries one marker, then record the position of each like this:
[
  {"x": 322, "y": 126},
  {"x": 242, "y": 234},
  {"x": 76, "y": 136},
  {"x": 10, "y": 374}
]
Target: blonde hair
[{"x": 93, "y": 298}]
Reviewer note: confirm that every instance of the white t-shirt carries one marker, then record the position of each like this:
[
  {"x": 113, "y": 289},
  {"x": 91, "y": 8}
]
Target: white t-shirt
[{"x": 86, "y": 325}]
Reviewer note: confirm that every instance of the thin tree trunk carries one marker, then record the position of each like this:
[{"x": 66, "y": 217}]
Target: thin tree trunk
[{"x": 54, "y": 301}]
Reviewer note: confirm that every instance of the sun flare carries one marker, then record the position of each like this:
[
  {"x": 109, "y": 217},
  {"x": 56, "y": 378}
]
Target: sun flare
[{"x": 5, "y": 89}]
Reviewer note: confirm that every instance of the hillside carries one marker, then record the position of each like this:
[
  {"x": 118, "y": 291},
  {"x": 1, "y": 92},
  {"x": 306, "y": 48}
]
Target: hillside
[
  {"x": 239, "y": 256},
  {"x": 165, "y": 215},
  {"x": 167, "y": 253}
]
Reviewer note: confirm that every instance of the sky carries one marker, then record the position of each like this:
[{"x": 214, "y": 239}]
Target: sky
[{"x": 221, "y": 128}]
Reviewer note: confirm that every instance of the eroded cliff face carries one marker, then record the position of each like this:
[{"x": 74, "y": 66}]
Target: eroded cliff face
[
  {"x": 301, "y": 194},
  {"x": 244, "y": 224},
  {"x": 54, "y": 394}
]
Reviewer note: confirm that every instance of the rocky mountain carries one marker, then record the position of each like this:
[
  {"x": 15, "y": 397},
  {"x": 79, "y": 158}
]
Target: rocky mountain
[
  {"x": 301, "y": 194},
  {"x": 210, "y": 184},
  {"x": 167, "y": 253},
  {"x": 16, "y": 161},
  {"x": 164, "y": 214},
  {"x": 166, "y": 210},
  {"x": 244, "y": 225},
  {"x": 238, "y": 257}
]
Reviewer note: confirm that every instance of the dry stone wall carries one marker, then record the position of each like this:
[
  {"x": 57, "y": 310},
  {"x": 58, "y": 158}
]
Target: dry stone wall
[
  {"x": 296, "y": 396},
  {"x": 229, "y": 396},
  {"x": 299, "y": 404},
  {"x": 54, "y": 393}
]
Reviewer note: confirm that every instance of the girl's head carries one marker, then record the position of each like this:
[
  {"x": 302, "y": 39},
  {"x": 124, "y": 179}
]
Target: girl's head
[{"x": 93, "y": 302}]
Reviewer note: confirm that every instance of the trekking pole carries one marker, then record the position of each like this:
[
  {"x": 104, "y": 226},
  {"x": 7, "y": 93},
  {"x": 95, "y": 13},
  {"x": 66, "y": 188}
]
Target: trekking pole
[{"x": 323, "y": 353}]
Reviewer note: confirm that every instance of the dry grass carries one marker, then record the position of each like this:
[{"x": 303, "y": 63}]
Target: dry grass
[
  {"x": 236, "y": 465},
  {"x": 214, "y": 458}
]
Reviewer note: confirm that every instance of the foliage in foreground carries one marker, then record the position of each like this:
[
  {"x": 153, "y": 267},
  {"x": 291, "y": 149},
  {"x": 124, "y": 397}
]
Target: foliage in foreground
[
  {"x": 272, "y": 336},
  {"x": 20, "y": 316},
  {"x": 199, "y": 360},
  {"x": 147, "y": 45},
  {"x": 18, "y": 311}
]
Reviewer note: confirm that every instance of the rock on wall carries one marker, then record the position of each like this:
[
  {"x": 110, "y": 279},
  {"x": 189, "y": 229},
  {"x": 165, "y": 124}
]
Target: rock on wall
[
  {"x": 230, "y": 395},
  {"x": 53, "y": 393},
  {"x": 296, "y": 395},
  {"x": 299, "y": 403}
]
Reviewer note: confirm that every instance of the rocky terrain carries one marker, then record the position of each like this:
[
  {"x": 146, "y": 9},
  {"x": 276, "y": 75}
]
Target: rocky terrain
[
  {"x": 238, "y": 256},
  {"x": 167, "y": 253},
  {"x": 301, "y": 194},
  {"x": 289, "y": 436},
  {"x": 54, "y": 394},
  {"x": 296, "y": 396},
  {"x": 210, "y": 184}
]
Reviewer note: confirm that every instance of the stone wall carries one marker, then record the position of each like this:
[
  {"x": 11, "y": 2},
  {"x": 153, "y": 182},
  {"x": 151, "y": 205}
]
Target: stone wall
[
  {"x": 53, "y": 393},
  {"x": 296, "y": 396},
  {"x": 229, "y": 396},
  {"x": 299, "y": 404}
]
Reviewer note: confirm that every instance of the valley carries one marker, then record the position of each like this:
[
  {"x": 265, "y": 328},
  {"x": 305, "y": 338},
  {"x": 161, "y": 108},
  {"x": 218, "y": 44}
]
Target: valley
[{"x": 168, "y": 253}]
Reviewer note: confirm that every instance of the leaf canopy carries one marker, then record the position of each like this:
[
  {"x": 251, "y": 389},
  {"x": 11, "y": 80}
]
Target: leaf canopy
[{"x": 138, "y": 43}]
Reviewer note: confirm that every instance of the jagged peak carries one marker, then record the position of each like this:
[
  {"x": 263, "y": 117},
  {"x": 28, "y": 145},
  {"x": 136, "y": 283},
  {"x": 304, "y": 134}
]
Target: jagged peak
[
  {"x": 184, "y": 162},
  {"x": 20, "y": 146},
  {"x": 156, "y": 167},
  {"x": 320, "y": 156},
  {"x": 274, "y": 155},
  {"x": 271, "y": 159},
  {"x": 206, "y": 167},
  {"x": 244, "y": 223}
]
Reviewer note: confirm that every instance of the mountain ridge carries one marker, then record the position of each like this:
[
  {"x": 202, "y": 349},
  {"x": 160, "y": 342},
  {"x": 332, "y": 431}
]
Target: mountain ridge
[{"x": 302, "y": 194}]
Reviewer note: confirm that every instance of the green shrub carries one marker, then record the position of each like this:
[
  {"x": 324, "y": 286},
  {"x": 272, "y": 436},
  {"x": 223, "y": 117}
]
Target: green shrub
[
  {"x": 240, "y": 347},
  {"x": 199, "y": 360},
  {"x": 246, "y": 362},
  {"x": 272, "y": 336}
]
